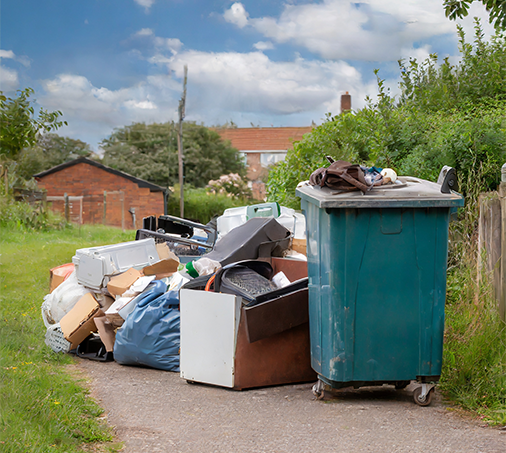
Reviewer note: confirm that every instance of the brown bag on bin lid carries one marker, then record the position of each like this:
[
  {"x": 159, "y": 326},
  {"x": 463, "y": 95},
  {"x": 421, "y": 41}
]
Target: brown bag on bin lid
[{"x": 340, "y": 175}]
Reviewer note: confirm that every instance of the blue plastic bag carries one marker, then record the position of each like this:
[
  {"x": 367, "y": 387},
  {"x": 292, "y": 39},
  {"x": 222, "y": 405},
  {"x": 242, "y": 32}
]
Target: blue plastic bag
[{"x": 150, "y": 336}]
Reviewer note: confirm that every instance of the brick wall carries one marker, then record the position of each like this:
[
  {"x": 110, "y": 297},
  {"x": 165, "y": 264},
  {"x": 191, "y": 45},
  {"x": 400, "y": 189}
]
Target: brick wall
[{"x": 90, "y": 182}]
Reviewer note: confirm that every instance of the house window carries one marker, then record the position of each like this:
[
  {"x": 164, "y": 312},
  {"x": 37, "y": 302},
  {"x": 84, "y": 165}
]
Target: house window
[
  {"x": 244, "y": 158},
  {"x": 268, "y": 159}
]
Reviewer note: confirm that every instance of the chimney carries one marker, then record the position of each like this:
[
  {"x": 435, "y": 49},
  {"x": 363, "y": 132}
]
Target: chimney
[{"x": 345, "y": 102}]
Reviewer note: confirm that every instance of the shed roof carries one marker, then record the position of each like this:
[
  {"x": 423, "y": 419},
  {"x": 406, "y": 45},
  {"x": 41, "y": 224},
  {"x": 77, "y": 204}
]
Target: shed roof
[
  {"x": 83, "y": 160},
  {"x": 263, "y": 138}
]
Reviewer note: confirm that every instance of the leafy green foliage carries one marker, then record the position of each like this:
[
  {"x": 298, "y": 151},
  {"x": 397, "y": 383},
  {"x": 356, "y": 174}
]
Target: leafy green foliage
[
  {"x": 446, "y": 115},
  {"x": 49, "y": 151},
  {"x": 17, "y": 214},
  {"x": 202, "y": 206},
  {"x": 479, "y": 77},
  {"x": 460, "y": 8},
  {"x": 19, "y": 126},
  {"x": 150, "y": 152}
]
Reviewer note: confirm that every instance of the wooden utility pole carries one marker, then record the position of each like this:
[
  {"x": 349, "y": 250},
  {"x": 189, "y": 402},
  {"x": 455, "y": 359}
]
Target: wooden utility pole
[{"x": 181, "y": 110}]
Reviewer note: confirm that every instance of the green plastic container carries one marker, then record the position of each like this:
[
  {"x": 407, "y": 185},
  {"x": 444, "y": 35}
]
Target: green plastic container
[{"x": 377, "y": 282}]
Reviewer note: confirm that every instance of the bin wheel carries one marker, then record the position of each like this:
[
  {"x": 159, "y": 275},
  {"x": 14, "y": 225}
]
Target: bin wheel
[
  {"x": 190, "y": 382},
  {"x": 428, "y": 398},
  {"x": 318, "y": 390},
  {"x": 399, "y": 385}
]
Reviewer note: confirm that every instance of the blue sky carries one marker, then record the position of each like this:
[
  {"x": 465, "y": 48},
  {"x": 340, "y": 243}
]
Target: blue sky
[{"x": 108, "y": 63}]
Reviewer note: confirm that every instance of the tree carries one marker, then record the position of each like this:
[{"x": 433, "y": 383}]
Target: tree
[
  {"x": 460, "y": 8},
  {"x": 50, "y": 150},
  {"x": 150, "y": 152},
  {"x": 446, "y": 115},
  {"x": 20, "y": 126}
]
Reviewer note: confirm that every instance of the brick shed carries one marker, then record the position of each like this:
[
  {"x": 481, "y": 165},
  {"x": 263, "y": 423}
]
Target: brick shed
[
  {"x": 262, "y": 146},
  {"x": 101, "y": 195}
]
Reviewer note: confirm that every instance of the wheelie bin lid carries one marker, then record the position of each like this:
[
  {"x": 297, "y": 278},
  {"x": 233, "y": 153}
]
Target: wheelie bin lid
[{"x": 408, "y": 192}]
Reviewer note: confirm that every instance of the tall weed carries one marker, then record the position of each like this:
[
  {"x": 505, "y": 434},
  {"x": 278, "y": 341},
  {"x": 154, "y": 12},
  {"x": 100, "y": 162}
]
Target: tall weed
[
  {"x": 474, "y": 362},
  {"x": 474, "y": 357}
]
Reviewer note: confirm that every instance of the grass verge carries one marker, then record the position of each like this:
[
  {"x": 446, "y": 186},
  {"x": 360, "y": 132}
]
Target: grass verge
[
  {"x": 42, "y": 407},
  {"x": 474, "y": 359}
]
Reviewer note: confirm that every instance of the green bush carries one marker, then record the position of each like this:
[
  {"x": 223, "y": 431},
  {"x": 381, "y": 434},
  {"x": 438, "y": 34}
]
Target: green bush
[
  {"x": 202, "y": 206},
  {"x": 446, "y": 115},
  {"x": 21, "y": 215}
]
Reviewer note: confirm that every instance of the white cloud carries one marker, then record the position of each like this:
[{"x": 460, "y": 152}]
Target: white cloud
[
  {"x": 8, "y": 79},
  {"x": 7, "y": 54},
  {"x": 160, "y": 44},
  {"x": 147, "y": 4},
  {"x": 251, "y": 83},
  {"x": 144, "y": 32},
  {"x": 237, "y": 15},
  {"x": 94, "y": 112},
  {"x": 373, "y": 30},
  {"x": 172, "y": 44},
  {"x": 143, "y": 105},
  {"x": 263, "y": 45}
]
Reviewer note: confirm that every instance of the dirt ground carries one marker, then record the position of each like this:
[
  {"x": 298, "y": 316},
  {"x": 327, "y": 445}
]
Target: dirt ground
[{"x": 156, "y": 411}]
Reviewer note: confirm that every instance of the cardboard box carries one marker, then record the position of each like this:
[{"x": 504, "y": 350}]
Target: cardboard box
[
  {"x": 79, "y": 322},
  {"x": 57, "y": 275},
  {"x": 120, "y": 283},
  {"x": 164, "y": 267},
  {"x": 299, "y": 245}
]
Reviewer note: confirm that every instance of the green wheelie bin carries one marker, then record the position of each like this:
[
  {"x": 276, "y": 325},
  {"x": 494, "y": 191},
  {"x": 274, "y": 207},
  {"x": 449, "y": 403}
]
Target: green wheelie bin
[{"x": 377, "y": 283}]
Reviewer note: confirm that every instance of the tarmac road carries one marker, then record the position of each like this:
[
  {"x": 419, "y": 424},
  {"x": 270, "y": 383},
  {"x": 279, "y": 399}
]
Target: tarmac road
[{"x": 156, "y": 411}]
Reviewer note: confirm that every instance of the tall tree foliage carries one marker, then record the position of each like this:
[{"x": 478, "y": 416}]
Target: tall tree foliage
[
  {"x": 50, "y": 150},
  {"x": 20, "y": 125},
  {"x": 460, "y": 8},
  {"x": 445, "y": 115},
  {"x": 150, "y": 152}
]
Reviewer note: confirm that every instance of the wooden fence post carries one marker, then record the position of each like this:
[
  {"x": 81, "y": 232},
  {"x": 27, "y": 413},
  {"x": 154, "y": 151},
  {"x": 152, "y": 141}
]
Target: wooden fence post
[
  {"x": 502, "y": 197},
  {"x": 67, "y": 206},
  {"x": 104, "y": 217},
  {"x": 122, "y": 197}
]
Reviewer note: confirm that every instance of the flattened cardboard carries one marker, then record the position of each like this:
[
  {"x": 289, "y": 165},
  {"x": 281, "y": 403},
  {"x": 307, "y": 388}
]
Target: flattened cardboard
[
  {"x": 78, "y": 323},
  {"x": 163, "y": 250},
  {"x": 166, "y": 266},
  {"x": 106, "y": 332},
  {"x": 119, "y": 284},
  {"x": 57, "y": 275}
]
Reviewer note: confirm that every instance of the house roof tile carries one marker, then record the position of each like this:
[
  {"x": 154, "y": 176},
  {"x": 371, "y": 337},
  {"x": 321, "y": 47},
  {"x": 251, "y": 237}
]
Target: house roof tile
[
  {"x": 83, "y": 160},
  {"x": 263, "y": 138}
]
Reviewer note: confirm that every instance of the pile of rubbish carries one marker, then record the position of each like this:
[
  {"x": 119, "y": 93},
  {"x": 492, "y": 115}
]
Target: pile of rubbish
[{"x": 165, "y": 299}]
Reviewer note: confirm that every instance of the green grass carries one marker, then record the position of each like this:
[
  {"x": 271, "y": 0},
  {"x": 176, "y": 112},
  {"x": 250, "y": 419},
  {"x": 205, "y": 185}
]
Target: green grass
[
  {"x": 474, "y": 361},
  {"x": 43, "y": 408}
]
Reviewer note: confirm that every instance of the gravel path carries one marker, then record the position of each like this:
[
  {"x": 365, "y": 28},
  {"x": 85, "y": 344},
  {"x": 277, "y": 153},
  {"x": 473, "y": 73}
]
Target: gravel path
[{"x": 155, "y": 411}]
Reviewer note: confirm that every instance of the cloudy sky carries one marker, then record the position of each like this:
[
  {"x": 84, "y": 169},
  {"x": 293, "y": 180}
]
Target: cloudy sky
[{"x": 108, "y": 63}]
